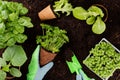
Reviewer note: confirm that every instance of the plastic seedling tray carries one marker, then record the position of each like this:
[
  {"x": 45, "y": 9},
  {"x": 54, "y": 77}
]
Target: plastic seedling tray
[{"x": 103, "y": 59}]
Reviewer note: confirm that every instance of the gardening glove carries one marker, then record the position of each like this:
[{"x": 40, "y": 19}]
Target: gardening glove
[
  {"x": 41, "y": 72},
  {"x": 35, "y": 72},
  {"x": 83, "y": 75},
  {"x": 79, "y": 77}
]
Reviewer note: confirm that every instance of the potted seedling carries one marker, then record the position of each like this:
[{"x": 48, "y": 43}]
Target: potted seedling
[
  {"x": 13, "y": 21},
  {"x": 103, "y": 59},
  {"x": 93, "y": 16},
  {"x": 12, "y": 59},
  {"x": 51, "y": 41},
  {"x": 55, "y": 10}
]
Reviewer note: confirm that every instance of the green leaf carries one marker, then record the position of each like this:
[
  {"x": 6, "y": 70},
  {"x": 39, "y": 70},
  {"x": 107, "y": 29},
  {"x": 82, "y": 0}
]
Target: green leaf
[
  {"x": 62, "y": 6},
  {"x": 8, "y": 53},
  {"x": 20, "y": 38},
  {"x": 19, "y": 57},
  {"x": 3, "y": 74},
  {"x": 6, "y": 68},
  {"x": 23, "y": 11},
  {"x": 13, "y": 16},
  {"x": 2, "y": 28},
  {"x": 11, "y": 42},
  {"x": 99, "y": 26},
  {"x": 15, "y": 72},
  {"x": 4, "y": 14},
  {"x": 80, "y": 13},
  {"x": 16, "y": 55},
  {"x": 2, "y": 62},
  {"x": 95, "y": 11},
  {"x": 90, "y": 20},
  {"x": 25, "y": 21}
]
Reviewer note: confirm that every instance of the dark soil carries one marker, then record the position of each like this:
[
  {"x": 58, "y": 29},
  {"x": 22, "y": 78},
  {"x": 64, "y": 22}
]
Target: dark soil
[{"x": 82, "y": 39}]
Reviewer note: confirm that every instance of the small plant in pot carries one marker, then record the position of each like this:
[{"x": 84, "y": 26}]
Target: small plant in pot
[
  {"x": 12, "y": 59},
  {"x": 55, "y": 10},
  {"x": 51, "y": 41}
]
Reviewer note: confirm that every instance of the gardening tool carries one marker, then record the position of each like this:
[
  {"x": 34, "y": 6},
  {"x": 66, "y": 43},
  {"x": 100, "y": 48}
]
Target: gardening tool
[
  {"x": 75, "y": 66},
  {"x": 35, "y": 72}
]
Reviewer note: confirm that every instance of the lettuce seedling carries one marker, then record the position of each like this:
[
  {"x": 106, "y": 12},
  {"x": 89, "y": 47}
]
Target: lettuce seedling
[
  {"x": 62, "y": 6},
  {"x": 103, "y": 59},
  {"x": 13, "y": 21},
  {"x": 93, "y": 16},
  {"x": 53, "y": 38},
  {"x": 12, "y": 59}
]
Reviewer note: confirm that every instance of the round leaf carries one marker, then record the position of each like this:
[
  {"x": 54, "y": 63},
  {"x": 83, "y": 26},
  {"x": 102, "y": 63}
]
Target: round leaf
[
  {"x": 99, "y": 26},
  {"x": 15, "y": 72},
  {"x": 2, "y": 62},
  {"x": 3, "y": 74},
  {"x": 90, "y": 20},
  {"x": 96, "y": 11},
  {"x": 80, "y": 13},
  {"x": 19, "y": 57}
]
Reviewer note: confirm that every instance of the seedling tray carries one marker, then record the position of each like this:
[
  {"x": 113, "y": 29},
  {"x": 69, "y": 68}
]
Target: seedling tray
[{"x": 103, "y": 59}]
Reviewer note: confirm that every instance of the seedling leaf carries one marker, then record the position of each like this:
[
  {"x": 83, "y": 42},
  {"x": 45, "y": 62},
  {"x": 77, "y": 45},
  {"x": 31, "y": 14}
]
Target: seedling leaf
[
  {"x": 99, "y": 26},
  {"x": 80, "y": 13},
  {"x": 15, "y": 72}
]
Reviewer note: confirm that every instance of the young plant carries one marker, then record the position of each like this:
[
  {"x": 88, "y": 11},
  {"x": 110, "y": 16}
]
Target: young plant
[
  {"x": 53, "y": 11},
  {"x": 103, "y": 60},
  {"x": 12, "y": 23},
  {"x": 62, "y": 6},
  {"x": 93, "y": 16},
  {"x": 12, "y": 59},
  {"x": 53, "y": 38}
]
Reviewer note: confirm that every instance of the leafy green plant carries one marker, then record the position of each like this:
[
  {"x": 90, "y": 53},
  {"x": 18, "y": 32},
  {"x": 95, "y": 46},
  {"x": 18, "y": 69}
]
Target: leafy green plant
[
  {"x": 62, "y": 6},
  {"x": 104, "y": 59},
  {"x": 12, "y": 23},
  {"x": 93, "y": 16},
  {"x": 53, "y": 38},
  {"x": 12, "y": 59}
]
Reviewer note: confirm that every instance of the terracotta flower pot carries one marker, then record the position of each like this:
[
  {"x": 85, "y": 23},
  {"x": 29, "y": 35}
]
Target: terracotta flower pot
[
  {"x": 46, "y": 14},
  {"x": 46, "y": 57}
]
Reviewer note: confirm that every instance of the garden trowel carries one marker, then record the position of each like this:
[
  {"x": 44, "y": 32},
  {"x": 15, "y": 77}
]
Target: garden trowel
[{"x": 75, "y": 66}]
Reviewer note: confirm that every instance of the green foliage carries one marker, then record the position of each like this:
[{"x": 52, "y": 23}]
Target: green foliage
[
  {"x": 62, "y": 6},
  {"x": 53, "y": 38},
  {"x": 12, "y": 58},
  {"x": 103, "y": 60},
  {"x": 12, "y": 23},
  {"x": 93, "y": 16}
]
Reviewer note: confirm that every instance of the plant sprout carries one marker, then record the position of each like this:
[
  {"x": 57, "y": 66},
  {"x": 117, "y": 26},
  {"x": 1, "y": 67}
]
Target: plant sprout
[
  {"x": 103, "y": 59},
  {"x": 93, "y": 16}
]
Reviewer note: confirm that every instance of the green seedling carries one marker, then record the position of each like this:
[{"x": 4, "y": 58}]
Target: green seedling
[
  {"x": 93, "y": 16},
  {"x": 12, "y": 59},
  {"x": 13, "y": 21},
  {"x": 103, "y": 59},
  {"x": 62, "y": 6}
]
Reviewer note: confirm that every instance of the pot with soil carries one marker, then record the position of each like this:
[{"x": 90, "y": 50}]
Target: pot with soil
[
  {"x": 55, "y": 10},
  {"x": 11, "y": 60},
  {"x": 51, "y": 42}
]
